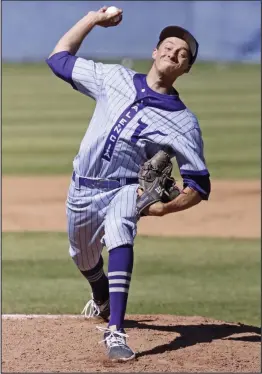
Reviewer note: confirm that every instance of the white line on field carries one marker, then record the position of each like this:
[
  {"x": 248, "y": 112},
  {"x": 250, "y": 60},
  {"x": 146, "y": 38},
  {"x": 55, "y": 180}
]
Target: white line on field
[{"x": 30, "y": 316}]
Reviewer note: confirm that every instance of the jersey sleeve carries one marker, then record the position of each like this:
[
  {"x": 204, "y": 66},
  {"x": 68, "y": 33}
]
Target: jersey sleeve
[
  {"x": 191, "y": 162},
  {"x": 86, "y": 76},
  {"x": 189, "y": 150}
]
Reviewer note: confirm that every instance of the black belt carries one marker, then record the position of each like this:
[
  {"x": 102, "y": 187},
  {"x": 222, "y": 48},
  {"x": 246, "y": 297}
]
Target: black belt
[{"x": 104, "y": 183}]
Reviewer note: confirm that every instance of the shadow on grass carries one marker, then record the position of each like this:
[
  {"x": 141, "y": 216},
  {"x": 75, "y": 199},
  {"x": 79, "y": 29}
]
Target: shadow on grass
[{"x": 194, "y": 334}]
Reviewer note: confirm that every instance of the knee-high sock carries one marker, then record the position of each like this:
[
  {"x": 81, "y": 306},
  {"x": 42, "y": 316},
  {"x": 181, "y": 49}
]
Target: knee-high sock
[
  {"x": 98, "y": 281},
  {"x": 120, "y": 266}
]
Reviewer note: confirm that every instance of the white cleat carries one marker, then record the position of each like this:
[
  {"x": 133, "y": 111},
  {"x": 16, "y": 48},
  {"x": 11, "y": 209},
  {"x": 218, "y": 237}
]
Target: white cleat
[
  {"x": 94, "y": 309},
  {"x": 115, "y": 342}
]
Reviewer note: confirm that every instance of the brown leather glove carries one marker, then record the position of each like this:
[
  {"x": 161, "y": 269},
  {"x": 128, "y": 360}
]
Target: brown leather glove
[{"x": 156, "y": 182}]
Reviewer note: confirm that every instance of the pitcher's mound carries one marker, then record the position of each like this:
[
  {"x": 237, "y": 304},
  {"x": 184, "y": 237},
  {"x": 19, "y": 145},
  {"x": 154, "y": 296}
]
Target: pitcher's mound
[{"x": 164, "y": 343}]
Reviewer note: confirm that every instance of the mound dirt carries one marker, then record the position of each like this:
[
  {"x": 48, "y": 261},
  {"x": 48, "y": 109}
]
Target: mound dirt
[
  {"x": 38, "y": 204},
  {"x": 163, "y": 343}
]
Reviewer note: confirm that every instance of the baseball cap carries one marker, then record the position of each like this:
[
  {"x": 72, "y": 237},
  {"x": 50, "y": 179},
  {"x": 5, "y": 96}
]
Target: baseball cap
[{"x": 183, "y": 34}]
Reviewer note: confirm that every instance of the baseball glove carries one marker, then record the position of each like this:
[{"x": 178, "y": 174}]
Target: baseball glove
[{"x": 156, "y": 182}]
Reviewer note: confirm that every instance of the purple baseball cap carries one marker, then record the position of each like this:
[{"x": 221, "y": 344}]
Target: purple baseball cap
[{"x": 183, "y": 34}]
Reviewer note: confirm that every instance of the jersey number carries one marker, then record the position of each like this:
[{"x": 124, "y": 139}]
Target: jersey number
[{"x": 142, "y": 126}]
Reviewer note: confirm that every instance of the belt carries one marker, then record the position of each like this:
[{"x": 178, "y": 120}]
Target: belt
[{"x": 103, "y": 183}]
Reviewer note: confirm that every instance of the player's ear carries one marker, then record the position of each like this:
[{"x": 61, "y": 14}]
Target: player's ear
[{"x": 154, "y": 53}]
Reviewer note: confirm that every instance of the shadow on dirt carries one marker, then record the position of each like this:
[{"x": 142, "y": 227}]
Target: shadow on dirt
[{"x": 194, "y": 334}]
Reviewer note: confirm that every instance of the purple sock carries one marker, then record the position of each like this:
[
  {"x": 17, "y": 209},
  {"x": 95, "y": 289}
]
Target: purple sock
[
  {"x": 98, "y": 281},
  {"x": 120, "y": 266}
]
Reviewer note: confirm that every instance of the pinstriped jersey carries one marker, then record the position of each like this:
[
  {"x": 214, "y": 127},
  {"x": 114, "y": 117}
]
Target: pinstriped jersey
[{"x": 131, "y": 122}]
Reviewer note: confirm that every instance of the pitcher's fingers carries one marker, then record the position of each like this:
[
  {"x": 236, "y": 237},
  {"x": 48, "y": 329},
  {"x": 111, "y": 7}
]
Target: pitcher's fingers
[
  {"x": 103, "y": 9},
  {"x": 120, "y": 19},
  {"x": 140, "y": 191}
]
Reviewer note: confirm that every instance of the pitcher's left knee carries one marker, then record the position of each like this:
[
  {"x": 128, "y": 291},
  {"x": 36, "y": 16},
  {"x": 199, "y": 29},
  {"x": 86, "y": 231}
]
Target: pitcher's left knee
[{"x": 119, "y": 232}]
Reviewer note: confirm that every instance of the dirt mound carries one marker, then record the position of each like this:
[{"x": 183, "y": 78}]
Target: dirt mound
[
  {"x": 164, "y": 343},
  {"x": 38, "y": 204}
]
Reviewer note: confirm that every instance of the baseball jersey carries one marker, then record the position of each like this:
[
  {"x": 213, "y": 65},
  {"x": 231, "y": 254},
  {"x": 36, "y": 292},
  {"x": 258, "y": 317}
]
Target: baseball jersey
[{"x": 131, "y": 122}]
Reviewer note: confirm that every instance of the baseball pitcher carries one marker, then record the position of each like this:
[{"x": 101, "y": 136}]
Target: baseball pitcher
[{"x": 122, "y": 171}]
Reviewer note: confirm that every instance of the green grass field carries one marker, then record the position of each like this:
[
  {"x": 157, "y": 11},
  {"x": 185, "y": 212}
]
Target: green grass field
[
  {"x": 208, "y": 277},
  {"x": 44, "y": 119}
]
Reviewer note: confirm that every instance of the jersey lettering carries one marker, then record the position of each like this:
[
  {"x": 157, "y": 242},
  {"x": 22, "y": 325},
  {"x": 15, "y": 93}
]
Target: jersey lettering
[{"x": 116, "y": 130}]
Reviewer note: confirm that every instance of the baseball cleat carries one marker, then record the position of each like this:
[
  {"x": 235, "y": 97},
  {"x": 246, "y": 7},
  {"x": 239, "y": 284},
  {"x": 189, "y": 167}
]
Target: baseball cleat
[
  {"x": 115, "y": 342},
  {"x": 96, "y": 309}
]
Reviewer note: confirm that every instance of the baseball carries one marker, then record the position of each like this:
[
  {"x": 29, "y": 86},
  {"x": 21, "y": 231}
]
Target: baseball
[{"x": 111, "y": 10}]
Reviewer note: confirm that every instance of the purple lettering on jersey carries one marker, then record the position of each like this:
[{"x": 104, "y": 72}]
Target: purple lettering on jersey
[
  {"x": 62, "y": 64},
  {"x": 152, "y": 133},
  {"x": 116, "y": 130},
  {"x": 122, "y": 121},
  {"x": 141, "y": 126},
  {"x": 149, "y": 98}
]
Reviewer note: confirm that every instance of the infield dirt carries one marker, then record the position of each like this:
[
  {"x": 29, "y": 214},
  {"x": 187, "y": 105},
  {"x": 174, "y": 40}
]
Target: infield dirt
[
  {"x": 163, "y": 344},
  {"x": 38, "y": 204}
]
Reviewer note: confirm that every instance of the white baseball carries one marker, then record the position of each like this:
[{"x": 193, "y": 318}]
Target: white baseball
[{"x": 111, "y": 10}]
